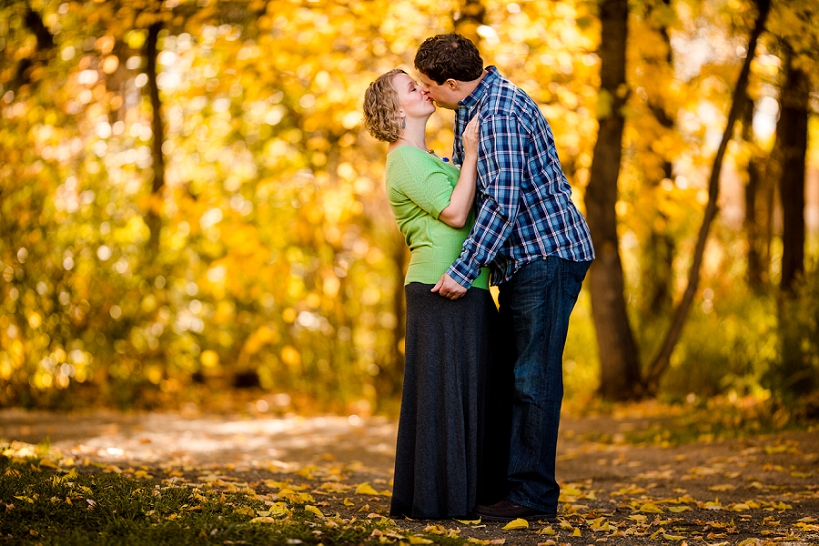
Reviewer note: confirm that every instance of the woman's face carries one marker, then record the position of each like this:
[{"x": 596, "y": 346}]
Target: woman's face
[{"x": 412, "y": 101}]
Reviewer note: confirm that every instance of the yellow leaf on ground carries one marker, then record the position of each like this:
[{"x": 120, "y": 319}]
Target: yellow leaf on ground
[
  {"x": 314, "y": 510},
  {"x": 518, "y": 523},
  {"x": 348, "y": 502},
  {"x": 365, "y": 489},
  {"x": 469, "y": 521},
  {"x": 278, "y": 509},
  {"x": 576, "y": 532},
  {"x": 650, "y": 508},
  {"x": 722, "y": 487},
  {"x": 547, "y": 531},
  {"x": 245, "y": 511},
  {"x": 678, "y": 509},
  {"x": 674, "y": 538},
  {"x": 419, "y": 540},
  {"x": 263, "y": 519}
]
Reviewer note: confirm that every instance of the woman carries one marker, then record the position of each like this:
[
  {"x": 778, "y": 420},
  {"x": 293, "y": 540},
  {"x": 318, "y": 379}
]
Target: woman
[{"x": 447, "y": 349}]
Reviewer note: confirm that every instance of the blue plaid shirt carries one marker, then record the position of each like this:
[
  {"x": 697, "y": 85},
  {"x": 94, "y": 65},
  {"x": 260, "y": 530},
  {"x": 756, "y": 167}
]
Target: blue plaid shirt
[{"x": 525, "y": 210}]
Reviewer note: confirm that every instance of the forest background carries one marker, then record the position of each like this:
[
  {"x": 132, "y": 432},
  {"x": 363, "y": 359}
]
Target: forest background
[{"x": 190, "y": 206}]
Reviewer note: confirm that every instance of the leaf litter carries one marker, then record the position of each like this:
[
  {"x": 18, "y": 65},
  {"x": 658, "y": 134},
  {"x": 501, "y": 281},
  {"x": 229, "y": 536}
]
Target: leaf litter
[{"x": 751, "y": 490}]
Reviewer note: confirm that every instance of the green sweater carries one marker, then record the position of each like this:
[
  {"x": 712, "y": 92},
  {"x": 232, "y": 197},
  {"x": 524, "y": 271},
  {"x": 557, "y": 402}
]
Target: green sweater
[{"x": 419, "y": 187}]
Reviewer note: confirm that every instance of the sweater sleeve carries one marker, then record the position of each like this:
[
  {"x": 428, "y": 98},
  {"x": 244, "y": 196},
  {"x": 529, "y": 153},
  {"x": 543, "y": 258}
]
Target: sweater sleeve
[{"x": 424, "y": 182}]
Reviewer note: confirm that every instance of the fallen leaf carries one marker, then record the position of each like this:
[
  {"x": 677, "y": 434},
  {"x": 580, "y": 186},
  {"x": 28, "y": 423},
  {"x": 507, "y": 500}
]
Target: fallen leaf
[
  {"x": 650, "y": 508},
  {"x": 263, "y": 519},
  {"x": 722, "y": 487},
  {"x": 365, "y": 489},
  {"x": 518, "y": 523},
  {"x": 314, "y": 510}
]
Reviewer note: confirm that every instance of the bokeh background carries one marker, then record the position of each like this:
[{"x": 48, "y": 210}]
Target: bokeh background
[{"x": 190, "y": 208}]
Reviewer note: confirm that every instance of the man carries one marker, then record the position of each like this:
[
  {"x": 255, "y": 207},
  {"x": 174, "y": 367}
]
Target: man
[{"x": 537, "y": 245}]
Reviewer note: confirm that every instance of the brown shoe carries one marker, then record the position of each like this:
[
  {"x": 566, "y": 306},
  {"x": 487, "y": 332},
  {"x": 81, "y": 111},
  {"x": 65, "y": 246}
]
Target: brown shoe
[{"x": 507, "y": 510}]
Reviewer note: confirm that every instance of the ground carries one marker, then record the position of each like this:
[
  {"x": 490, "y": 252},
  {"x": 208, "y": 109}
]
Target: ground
[{"x": 752, "y": 489}]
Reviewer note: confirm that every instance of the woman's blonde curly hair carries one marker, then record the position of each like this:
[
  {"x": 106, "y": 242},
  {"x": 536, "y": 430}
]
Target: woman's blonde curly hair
[{"x": 381, "y": 108}]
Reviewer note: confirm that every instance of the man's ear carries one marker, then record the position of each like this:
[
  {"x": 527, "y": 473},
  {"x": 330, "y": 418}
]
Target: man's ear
[{"x": 452, "y": 84}]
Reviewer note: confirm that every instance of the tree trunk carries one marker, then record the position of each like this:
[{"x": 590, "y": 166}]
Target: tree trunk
[
  {"x": 656, "y": 278},
  {"x": 663, "y": 358},
  {"x": 619, "y": 359},
  {"x": 152, "y": 218},
  {"x": 788, "y": 162},
  {"x": 756, "y": 206},
  {"x": 792, "y": 143}
]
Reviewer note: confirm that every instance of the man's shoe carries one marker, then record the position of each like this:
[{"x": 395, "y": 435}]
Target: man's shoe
[{"x": 507, "y": 510}]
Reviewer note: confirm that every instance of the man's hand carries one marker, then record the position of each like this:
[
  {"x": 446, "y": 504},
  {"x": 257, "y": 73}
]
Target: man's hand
[{"x": 449, "y": 288}]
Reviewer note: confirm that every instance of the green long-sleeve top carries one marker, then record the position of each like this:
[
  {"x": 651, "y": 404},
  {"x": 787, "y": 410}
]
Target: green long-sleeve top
[{"x": 419, "y": 187}]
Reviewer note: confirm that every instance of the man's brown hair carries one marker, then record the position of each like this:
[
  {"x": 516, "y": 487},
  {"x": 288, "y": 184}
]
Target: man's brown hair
[{"x": 448, "y": 56}]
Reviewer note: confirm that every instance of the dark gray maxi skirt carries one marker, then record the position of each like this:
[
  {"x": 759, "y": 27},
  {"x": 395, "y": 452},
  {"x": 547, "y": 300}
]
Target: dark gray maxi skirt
[{"x": 440, "y": 454}]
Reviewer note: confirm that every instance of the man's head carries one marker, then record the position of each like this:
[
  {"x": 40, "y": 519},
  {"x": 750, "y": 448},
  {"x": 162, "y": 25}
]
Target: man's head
[{"x": 445, "y": 62}]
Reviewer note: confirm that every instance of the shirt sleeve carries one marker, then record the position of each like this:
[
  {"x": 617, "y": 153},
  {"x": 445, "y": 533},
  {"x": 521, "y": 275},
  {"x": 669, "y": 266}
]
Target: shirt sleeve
[
  {"x": 502, "y": 153},
  {"x": 426, "y": 185}
]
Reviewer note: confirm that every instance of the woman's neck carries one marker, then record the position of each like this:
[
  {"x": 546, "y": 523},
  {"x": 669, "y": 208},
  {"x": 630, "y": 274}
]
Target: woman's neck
[
  {"x": 415, "y": 138},
  {"x": 414, "y": 134}
]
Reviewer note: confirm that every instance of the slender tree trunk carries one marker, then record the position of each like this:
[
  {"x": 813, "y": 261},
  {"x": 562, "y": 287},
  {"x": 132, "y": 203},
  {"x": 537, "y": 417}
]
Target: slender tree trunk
[
  {"x": 391, "y": 377},
  {"x": 619, "y": 359},
  {"x": 792, "y": 140},
  {"x": 658, "y": 254},
  {"x": 755, "y": 212},
  {"x": 152, "y": 217},
  {"x": 663, "y": 358}
]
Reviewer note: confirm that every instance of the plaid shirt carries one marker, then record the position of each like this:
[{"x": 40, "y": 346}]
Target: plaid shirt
[{"x": 525, "y": 210}]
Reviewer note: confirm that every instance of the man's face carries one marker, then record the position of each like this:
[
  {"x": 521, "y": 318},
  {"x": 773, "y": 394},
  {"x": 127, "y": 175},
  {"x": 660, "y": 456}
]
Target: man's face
[{"x": 444, "y": 95}]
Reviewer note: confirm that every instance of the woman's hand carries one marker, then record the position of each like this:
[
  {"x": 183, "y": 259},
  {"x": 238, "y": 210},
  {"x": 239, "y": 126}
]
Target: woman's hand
[
  {"x": 471, "y": 136},
  {"x": 463, "y": 196}
]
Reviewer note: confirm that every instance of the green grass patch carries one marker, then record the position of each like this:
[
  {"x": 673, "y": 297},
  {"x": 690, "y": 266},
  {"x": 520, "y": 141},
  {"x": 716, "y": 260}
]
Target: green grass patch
[{"x": 47, "y": 502}]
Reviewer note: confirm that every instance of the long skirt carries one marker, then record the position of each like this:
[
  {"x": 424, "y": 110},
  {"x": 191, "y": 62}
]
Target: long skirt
[{"x": 441, "y": 453}]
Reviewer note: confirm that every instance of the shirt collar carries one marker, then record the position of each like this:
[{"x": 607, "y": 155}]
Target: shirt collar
[{"x": 482, "y": 90}]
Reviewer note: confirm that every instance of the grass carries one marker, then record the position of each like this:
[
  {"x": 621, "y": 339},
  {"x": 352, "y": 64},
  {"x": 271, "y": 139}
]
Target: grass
[{"x": 44, "y": 503}]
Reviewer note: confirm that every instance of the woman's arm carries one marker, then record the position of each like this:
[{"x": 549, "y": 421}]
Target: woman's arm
[{"x": 463, "y": 195}]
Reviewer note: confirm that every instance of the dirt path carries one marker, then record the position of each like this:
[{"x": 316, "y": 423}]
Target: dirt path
[{"x": 760, "y": 489}]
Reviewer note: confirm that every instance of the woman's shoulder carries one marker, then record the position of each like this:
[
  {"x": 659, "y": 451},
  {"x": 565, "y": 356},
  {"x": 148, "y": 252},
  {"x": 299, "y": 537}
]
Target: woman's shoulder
[{"x": 411, "y": 160}]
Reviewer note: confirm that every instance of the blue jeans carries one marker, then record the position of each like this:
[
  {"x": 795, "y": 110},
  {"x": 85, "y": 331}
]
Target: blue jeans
[{"x": 535, "y": 305}]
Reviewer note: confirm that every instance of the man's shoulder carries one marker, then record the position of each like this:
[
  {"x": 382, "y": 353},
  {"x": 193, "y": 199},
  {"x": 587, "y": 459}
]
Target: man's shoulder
[{"x": 509, "y": 99}]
